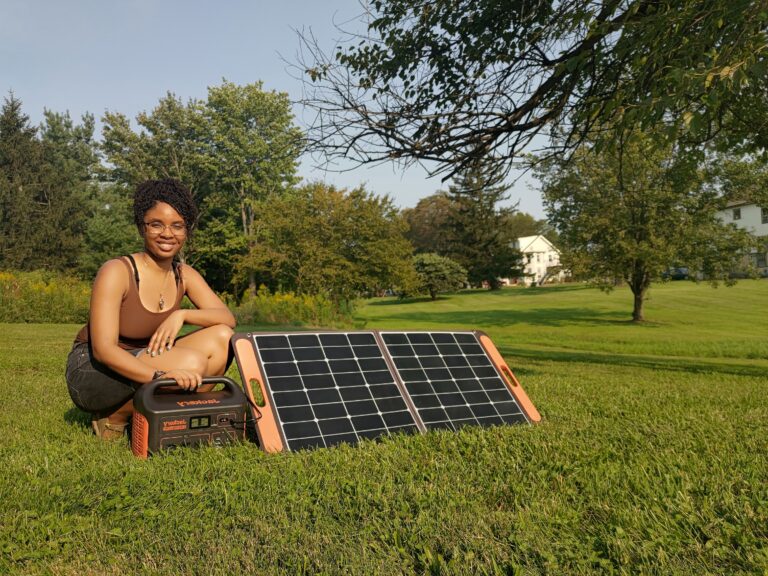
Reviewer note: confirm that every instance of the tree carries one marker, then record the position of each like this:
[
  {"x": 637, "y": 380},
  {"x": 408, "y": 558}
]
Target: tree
[
  {"x": 438, "y": 274},
  {"x": 477, "y": 236},
  {"x": 170, "y": 143},
  {"x": 20, "y": 166},
  {"x": 427, "y": 223},
  {"x": 233, "y": 150},
  {"x": 71, "y": 162},
  {"x": 630, "y": 211},
  {"x": 451, "y": 81},
  {"x": 254, "y": 149},
  {"x": 109, "y": 230},
  {"x": 319, "y": 239},
  {"x": 521, "y": 224},
  {"x": 740, "y": 178},
  {"x": 44, "y": 176}
]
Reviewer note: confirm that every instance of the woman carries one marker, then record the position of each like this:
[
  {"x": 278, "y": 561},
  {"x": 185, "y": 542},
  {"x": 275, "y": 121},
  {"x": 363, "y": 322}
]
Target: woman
[{"x": 135, "y": 316}]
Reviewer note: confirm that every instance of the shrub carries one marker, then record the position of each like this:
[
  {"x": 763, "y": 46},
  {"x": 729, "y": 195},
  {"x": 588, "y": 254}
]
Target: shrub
[
  {"x": 287, "y": 308},
  {"x": 438, "y": 274},
  {"x": 44, "y": 297}
]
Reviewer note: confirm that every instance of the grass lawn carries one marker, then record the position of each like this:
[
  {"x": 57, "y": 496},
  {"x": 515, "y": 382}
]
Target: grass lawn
[{"x": 651, "y": 458}]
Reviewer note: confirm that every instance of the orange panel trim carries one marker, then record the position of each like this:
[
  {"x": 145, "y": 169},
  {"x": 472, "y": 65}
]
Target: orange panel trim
[
  {"x": 269, "y": 434},
  {"x": 512, "y": 382}
]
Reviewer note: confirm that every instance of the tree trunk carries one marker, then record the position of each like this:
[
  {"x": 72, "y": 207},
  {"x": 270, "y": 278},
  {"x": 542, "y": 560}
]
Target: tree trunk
[
  {"x": 247, "y": 216},
  {"x": 637, "y": 312},
  {"x": 639, "y": 282}
]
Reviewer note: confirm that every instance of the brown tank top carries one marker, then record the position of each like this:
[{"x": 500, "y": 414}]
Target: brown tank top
[{"x": 137, "y": 324}]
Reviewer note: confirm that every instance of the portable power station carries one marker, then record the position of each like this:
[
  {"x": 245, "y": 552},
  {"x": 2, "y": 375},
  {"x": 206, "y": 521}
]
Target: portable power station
[{"x": 168, "y": 418}]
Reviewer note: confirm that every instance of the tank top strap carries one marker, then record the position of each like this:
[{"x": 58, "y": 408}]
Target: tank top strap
[
  {"x": 135, "y": 269},
  {"x": 180, "y": 288}
]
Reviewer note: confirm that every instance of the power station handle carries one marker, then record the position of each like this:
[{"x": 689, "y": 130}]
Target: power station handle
[{"x": 229, "y": 384}]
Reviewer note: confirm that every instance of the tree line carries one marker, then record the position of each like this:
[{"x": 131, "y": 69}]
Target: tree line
[{"x": 65, "y": 201}]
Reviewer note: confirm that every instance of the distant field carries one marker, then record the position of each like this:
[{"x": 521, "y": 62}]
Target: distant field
[{"x": 651, "y": 458}]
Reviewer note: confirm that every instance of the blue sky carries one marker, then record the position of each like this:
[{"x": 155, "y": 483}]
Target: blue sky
[{"x": 124, "y": 55}]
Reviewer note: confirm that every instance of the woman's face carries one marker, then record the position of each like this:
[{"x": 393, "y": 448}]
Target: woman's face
[{"x": 164, "y": 231}]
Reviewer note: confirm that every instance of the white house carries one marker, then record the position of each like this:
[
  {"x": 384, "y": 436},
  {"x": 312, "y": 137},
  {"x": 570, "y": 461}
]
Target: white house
[
  {"x": 541, "y": 260},
  {"x": 753, "y": 218}
]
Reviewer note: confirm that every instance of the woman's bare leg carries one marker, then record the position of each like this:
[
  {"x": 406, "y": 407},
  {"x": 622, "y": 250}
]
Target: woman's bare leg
[{"x": 204, "y": 351}]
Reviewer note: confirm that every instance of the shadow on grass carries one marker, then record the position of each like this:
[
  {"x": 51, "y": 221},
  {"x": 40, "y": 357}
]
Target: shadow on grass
[
  {"x": 511, "y": 292},
  {"x": 689, "y": 365},
  {"x": 406, "y": 301},
  {"x": 76, "y": 417},
  {"x": 509, "y": 317}
]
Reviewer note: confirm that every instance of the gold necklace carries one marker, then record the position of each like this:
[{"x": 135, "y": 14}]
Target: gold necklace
[{"x": 161, "y": 302}]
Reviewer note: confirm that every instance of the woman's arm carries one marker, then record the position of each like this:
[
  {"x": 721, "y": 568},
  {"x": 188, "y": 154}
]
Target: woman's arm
[
  {"x": 110, "y": 286},
  {"x": 209, "y": 311}
]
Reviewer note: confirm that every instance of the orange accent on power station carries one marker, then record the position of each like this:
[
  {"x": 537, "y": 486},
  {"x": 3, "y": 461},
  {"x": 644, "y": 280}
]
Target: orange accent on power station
[
  {"x": 269, "y": 435},
  {"x": 512, "y": 383},
  {"x": 140, "y": 436}
]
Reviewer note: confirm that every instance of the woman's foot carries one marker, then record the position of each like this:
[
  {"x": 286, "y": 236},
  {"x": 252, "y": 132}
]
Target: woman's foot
[{"x": 107, "y": 430}]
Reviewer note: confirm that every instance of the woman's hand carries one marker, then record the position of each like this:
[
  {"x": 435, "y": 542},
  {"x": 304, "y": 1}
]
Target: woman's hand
[
  {"x": 165, "y": 335},
  {"x": 186, "y": 379}
]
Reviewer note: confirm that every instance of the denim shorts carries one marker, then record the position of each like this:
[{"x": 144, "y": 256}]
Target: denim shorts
[{"x": 93, "y": 386}]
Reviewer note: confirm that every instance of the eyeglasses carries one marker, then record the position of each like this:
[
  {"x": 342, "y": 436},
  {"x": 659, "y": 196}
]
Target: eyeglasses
[{"x": 156, "y": 228}]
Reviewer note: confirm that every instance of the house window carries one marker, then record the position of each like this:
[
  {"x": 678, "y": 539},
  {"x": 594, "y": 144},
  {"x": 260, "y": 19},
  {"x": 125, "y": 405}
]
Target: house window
[
  {"x": 760, "y": 260},
  {"x": 764, "y": 215},
  {"x": 737, "y": 213}
]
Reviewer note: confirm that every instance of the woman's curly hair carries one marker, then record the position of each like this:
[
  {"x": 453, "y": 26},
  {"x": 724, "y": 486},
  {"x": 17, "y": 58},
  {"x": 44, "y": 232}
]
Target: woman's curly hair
[{"x": 171, "y": 192}]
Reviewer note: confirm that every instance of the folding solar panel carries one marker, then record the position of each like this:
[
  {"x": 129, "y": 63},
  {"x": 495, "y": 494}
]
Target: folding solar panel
[
  {"x": 451, "y": 380},
  {"x": 319, "y": 389}
]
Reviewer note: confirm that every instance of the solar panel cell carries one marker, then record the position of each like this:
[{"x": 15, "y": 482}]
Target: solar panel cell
[
  {"x": 398, "y": 420},
  {"x": 385, "y": 391},
  {"x": 323, "y": 411},
  {"x": 350, "y": 379},
  {"x": 306, "y": 429},
  {"x": 303, "y": 341},
  {"x": 442, "y": 386},
  {"x": 379, "y": 377},
  {"x": 342, "y": 366},
  {"x": 323, "y": 396},
  {"x": 265, "y": 342},
  {"x": 277, "y": 355},
  {"x": 367, "y": 351},
  {"x": 355, "y": 393},
  {"x": 338, "y": 352},
  {"x": 303, "y": 354},
  {"x": 286, "y": 384},
  {"x": 291, "y": 398},
  {"x": 336, "y": 426},
  {"x": 362, "y": 407},
  {"x": 281, "y": 369},
  {"x": 334, "y": 339}
]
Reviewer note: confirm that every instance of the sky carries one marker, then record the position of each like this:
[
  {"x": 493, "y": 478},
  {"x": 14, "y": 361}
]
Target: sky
[{"x": 81, "y": 56}]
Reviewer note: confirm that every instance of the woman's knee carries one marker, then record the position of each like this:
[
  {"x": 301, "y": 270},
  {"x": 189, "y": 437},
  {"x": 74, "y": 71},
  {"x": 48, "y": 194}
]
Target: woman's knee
[
  {"x": 194, "y": 361},
  {"x": 222, "y": 333}
]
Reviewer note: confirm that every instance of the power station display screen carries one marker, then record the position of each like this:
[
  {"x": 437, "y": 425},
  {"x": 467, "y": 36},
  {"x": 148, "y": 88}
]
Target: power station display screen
[{"x": 200, "y": 422}]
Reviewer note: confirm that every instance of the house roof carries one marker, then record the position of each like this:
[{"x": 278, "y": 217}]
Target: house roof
[
  {"x": 525, "y": 242},
  {"x": 737, "y": 203}
]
